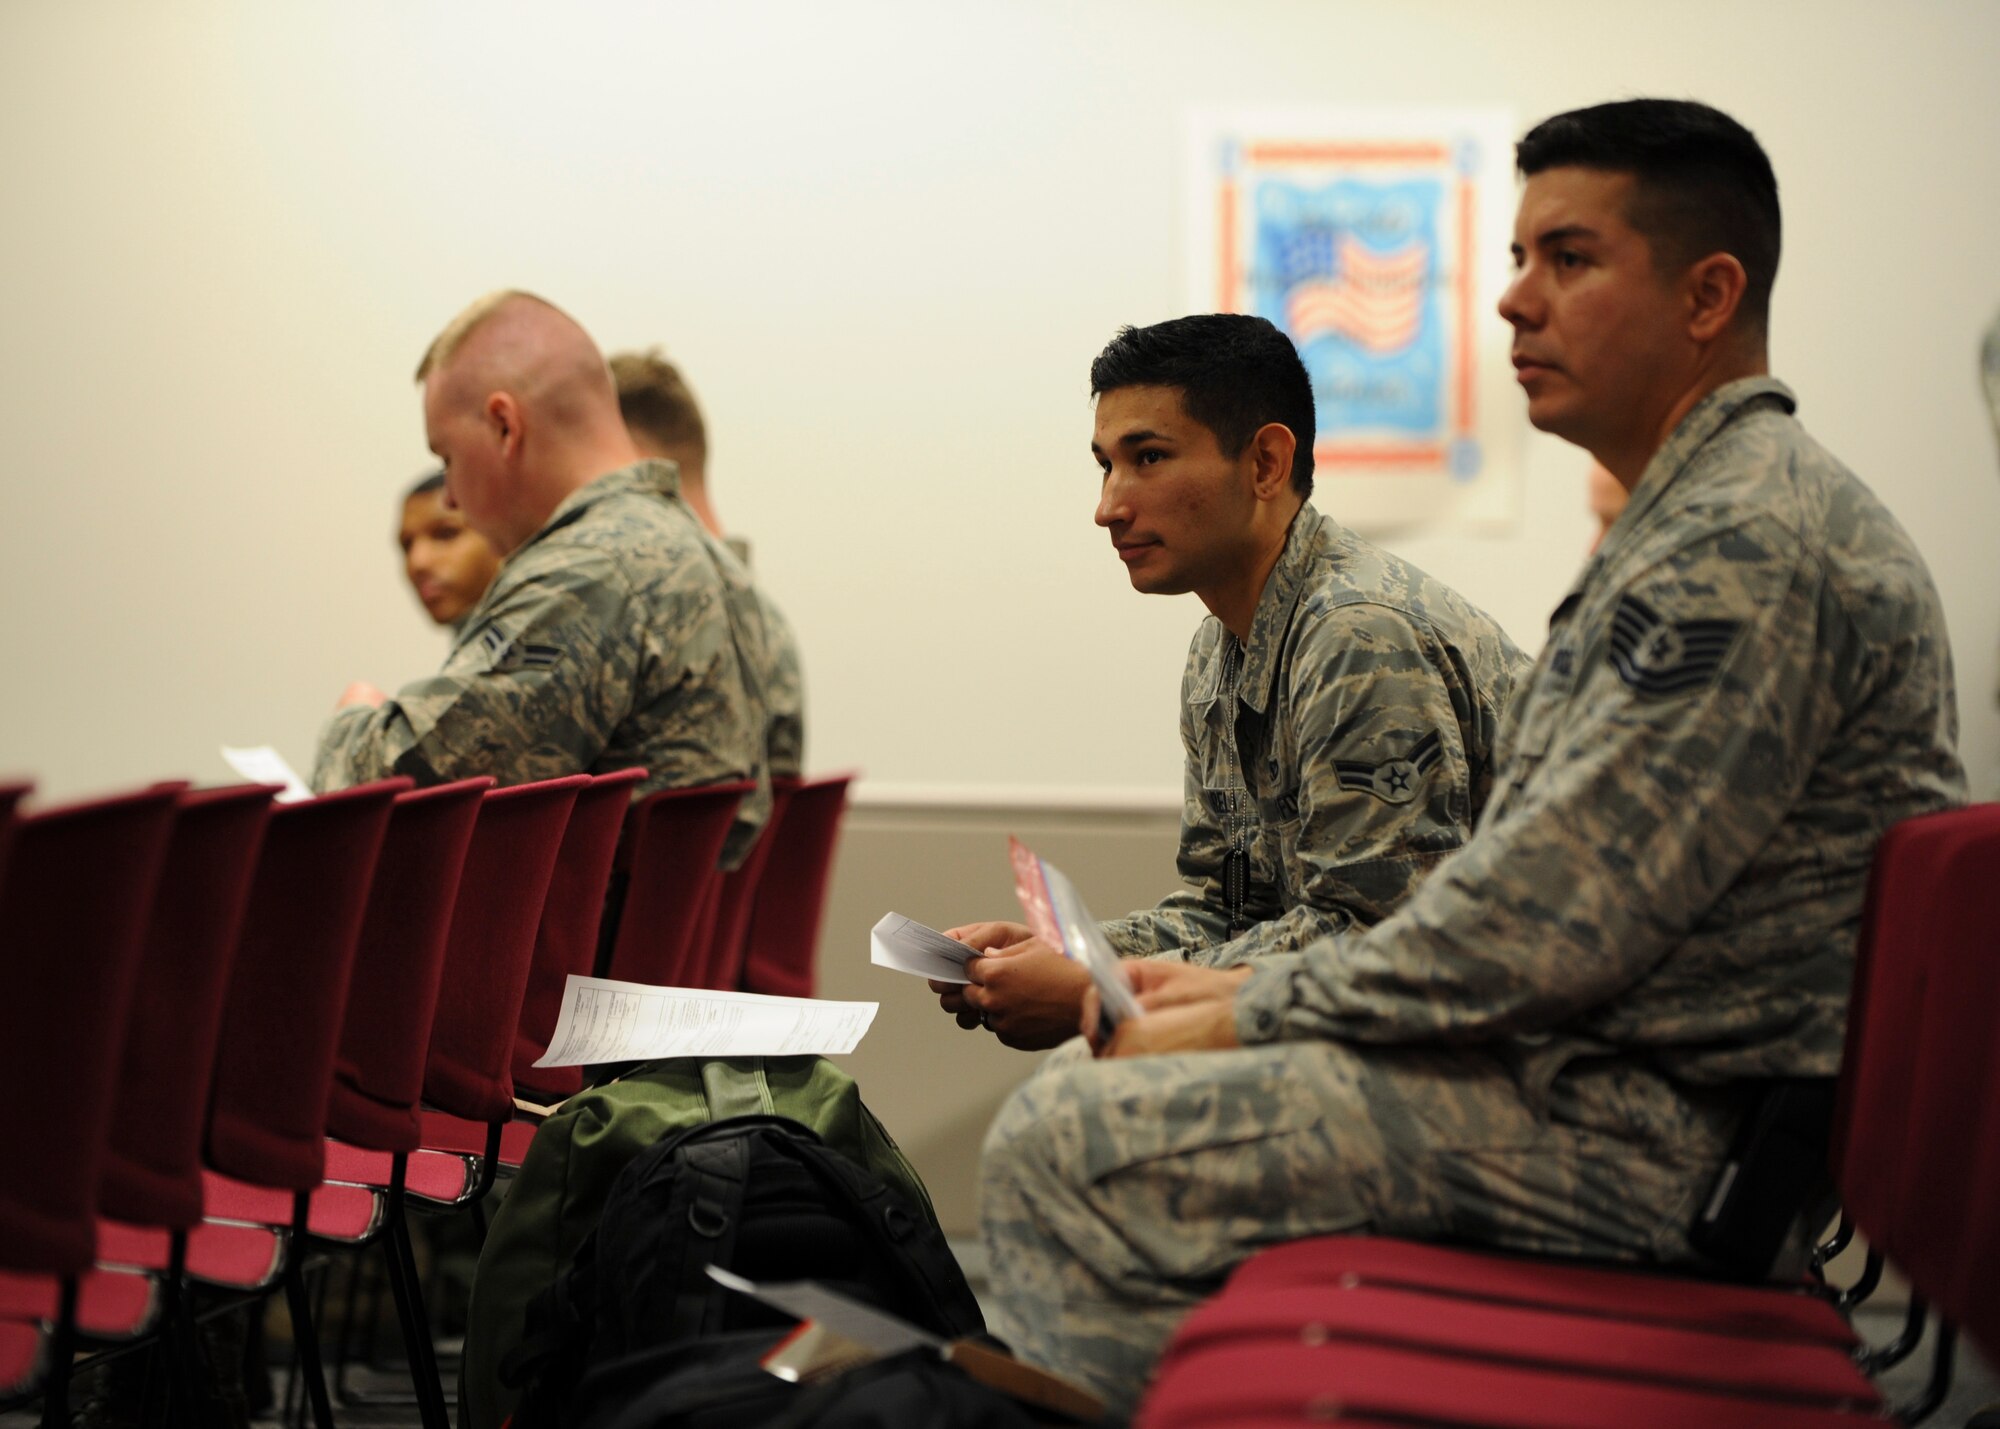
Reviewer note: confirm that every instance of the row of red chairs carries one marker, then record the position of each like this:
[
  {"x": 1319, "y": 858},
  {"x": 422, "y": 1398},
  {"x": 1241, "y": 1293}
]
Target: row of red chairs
[
  {"x": 233, "y": 1030},
  {"x": 1359, "y": 1330}
]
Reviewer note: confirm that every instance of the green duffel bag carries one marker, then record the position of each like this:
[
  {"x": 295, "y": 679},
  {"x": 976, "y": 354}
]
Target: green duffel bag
[{"x": 557, "y": 1195}]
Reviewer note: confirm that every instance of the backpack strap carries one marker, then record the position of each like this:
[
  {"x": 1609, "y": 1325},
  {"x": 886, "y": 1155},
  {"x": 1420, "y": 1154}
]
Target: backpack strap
[{"x": 708, "y": 1196}]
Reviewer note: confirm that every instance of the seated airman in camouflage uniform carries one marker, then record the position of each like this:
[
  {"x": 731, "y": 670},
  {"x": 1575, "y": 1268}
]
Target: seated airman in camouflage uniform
[
  {"x": 665, "y": 422},
  {"x": 1548, "y": 1046},
  {"x": 1339, "y": 707},
  {"x": 617, "y": 632}
]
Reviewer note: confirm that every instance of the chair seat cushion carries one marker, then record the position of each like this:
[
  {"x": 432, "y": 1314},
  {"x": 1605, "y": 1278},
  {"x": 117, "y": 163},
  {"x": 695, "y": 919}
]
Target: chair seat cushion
[
  {"x": 1528, "y": 1336},
  {"x": 110, "y": 1304},
  {"x": 20, "y": 1356},
  {"x": 455, "y": 1134},
  {"x": 436, "y": 1176},
  {"x": 1246, "y": 1386},
  {"x": 219, "y": 1253},
  {"x": 1650, "y": 1297},
  {"x": 342, "y": 1213}
]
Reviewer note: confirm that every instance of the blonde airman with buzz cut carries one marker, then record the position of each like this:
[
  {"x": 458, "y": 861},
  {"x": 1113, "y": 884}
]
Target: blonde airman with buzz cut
[{"x": 616, "y": 632}]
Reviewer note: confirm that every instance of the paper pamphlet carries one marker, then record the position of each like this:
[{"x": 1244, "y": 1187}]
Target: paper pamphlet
[
  {"x": 872, "y": 1329},
  {"x": 1055, "y": 911},
  {"x": 907, "y": 946},
  {"x": 603, "y": 1020},
  {"x": 838, "y": 1333},
  {"x": 264, "y": 765}
]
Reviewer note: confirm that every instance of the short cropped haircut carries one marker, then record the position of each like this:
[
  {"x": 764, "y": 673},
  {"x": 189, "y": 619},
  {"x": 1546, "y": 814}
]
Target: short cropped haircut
[
  {"x": 656, "y": 402},
  {"x": 426, "y": 484},
  {"x": 1235, "y": 373},
  {"x": 1703, "y": 183},
  {"x": 448, "y": 342}
]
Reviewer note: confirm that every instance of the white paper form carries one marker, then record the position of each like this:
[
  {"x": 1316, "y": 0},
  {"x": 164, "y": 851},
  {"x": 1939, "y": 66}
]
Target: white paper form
[
  {"x": 603, "y": 1020},
  {"x": 264, "y": 765},
  {"x": 907, "y": 946}
]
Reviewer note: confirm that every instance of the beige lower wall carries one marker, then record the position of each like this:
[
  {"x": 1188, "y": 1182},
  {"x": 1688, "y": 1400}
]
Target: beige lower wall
[{"x": 933, "y": 1084}]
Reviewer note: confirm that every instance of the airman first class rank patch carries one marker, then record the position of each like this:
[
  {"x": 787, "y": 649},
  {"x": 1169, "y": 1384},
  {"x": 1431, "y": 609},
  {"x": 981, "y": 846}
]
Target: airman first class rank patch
[
  {"x": 516, "y": 655},
  {"x": 1657, "y": 656},
  {"x": 1397, "y": 780}
]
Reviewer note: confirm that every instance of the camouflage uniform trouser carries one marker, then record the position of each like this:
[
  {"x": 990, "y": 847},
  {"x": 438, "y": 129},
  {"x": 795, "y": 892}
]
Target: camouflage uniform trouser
[{"x": 1116, "y": 1195}]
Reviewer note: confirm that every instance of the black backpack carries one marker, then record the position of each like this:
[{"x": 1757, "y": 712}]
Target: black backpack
[{"x": 759, "y": 1195}]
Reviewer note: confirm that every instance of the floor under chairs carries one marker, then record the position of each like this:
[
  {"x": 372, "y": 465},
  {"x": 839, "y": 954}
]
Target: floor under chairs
[
  {"x": 307, "y": 972},
  {"x": 1366, "y": 1330}
]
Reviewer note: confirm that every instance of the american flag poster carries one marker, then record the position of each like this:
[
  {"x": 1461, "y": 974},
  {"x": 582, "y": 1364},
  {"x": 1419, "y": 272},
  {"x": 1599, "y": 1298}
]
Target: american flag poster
[{"x": 1377, "y": 240}]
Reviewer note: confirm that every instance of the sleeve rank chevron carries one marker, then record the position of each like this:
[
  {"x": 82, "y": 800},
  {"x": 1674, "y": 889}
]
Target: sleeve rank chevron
[{"x": 1660, "y": 657}]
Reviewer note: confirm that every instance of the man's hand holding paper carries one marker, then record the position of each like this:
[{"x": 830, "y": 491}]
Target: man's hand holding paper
[{"x": 1026, "y": 994}]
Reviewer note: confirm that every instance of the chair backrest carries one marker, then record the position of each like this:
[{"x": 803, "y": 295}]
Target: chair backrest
[
  {"x": 12, "y": 792},
  {"x": 566, "y": 941},
  {"x": 288, "y": 992},
  {"x": 729, "y": 926},
  {"x": 378, "y": 1070},
  {"x": 673, "y": 842},
  {"x": 152, "y": 1167},
  {"x": 1918, "y": 1116},
  {"x": 72, "y": 913},
  {"x": 492, "y": 943},
  {"x": 782, "y": 948}
]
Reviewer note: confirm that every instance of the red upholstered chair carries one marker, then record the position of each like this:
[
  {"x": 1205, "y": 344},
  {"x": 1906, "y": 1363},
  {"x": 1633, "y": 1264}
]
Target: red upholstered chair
[
  {"x": 1356, "y": 1330},
  {"x": 783, "y": 941},
  {"x": 12, "y": 792},
  {"x": 379, "y": 1066},
  {"x": 736, "y": 895},
  {"x": 673, "y": 840},
  {"x": 566, "y": 941},
  {"x": 281, "y": 1025},
  {"x": 468, "y": 1085},
  {"x": 73, "y": 901},
  {"x": 152, "y": 1199}
]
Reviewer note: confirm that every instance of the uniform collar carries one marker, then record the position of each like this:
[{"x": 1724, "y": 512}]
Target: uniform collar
[
  {"x": 1274, "y": 610},
  {"x": 1676, "y": 455},
  {"x": 647, "y": 477}
]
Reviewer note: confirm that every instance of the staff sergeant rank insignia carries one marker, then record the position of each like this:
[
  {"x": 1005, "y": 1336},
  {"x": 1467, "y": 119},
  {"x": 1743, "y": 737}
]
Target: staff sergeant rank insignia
[
  {"x": 1397, "y": 780},
  {"x": 515, "y": 655},
  {"x": 1658, "y": 657}
]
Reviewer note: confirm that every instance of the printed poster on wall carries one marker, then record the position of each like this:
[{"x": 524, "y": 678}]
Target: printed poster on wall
[{"x": 1377, "y": 240}]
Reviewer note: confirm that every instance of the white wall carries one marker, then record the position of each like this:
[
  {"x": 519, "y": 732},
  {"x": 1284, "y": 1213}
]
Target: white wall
[{"x": 885, "y": 240}]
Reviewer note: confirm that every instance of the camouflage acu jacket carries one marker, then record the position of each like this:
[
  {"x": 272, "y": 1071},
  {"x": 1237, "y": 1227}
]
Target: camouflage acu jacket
[
  {"x": 619, "y": 634},
  {"x": 784, "y": 694},
  {"x": 1749, "y": 682},
  {"x": 1338, "y": 756}
]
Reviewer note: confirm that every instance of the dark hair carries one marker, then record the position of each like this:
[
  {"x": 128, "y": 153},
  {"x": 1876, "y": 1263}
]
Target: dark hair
[
  {"x": 1235, "y": 373},
  {"x": 1704, "y": 184},
  {"x": 654, "y": 399},
  {"x": 426, "y": 485}
]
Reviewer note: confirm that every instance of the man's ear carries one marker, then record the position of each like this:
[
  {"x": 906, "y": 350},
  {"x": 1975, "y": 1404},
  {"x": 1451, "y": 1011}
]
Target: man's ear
[
  {"x": 1714, "y": 288},
  {"x": 503, "y": 416},
  {"x": 1272, "y": 450}
]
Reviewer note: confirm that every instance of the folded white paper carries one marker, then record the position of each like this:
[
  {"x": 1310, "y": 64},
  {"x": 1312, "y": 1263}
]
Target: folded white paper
[
  {"x": 264, "y": 765},
  {"x": 907, "y": 946},
  {"x": 607, "y": 1021}
]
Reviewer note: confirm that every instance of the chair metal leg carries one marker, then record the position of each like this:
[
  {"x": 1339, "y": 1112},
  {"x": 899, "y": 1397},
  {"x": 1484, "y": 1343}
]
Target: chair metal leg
[
  {"x": 408, "y": 1289},
  {"x": 305, "y": 1337},
  {"x": 1864, "y": 1286},
  {"x": 62, "y": 1350},
  {"x": 1874, "y": 1361},
  {"x": 1939, "y": 1387}
]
